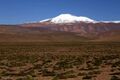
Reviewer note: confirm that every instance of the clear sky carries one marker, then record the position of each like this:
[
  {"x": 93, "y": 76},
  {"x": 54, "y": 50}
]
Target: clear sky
[{"x": 19, "y": 11}]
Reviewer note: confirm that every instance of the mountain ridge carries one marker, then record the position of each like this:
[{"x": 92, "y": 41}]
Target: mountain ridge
[
  {"x": 81, "y": 28},
  {"x": 69, "y": 18}
]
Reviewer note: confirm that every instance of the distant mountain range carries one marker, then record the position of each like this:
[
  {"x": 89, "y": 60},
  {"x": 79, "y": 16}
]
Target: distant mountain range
[{"x": 67, "y": 26}]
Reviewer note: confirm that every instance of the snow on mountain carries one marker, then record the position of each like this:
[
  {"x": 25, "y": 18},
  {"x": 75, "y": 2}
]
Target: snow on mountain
[
  {"x": 68, "y": 18},
  {"x": 45, "y": 20},
  {"x": 110, "y": 21}
]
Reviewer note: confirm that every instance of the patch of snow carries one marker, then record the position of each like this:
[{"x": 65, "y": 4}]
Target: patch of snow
[
  {"x": 110, "y": 21},
  {"x": 68, "y": 18},
  {"x": 45, "y": 20}
]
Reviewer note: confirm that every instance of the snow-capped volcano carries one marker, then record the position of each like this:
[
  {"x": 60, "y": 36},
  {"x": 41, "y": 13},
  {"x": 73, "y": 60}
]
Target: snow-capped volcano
[
  {"x": 84, "y": 26},
  {"x": 68, "y": 18}
]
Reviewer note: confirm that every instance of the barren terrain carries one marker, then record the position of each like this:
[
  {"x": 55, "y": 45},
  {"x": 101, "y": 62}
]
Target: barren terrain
[{"x": 60, "y": 61}]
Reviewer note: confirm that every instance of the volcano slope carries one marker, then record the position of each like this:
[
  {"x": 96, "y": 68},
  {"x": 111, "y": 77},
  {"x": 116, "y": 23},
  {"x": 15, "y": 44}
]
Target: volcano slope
[{"x": 22, "y": 34}]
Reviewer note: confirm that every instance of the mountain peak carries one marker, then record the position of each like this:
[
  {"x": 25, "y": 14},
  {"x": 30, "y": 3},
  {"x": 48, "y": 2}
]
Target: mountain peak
[{"x": 68, "y": 18}]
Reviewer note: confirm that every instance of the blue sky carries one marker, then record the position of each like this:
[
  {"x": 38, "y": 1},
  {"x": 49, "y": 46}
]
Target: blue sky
[{"x": 19, "y": 11}]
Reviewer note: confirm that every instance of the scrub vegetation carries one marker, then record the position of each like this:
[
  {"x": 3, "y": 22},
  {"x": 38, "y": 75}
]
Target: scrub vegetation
[{"x": 60, "y": 61}]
